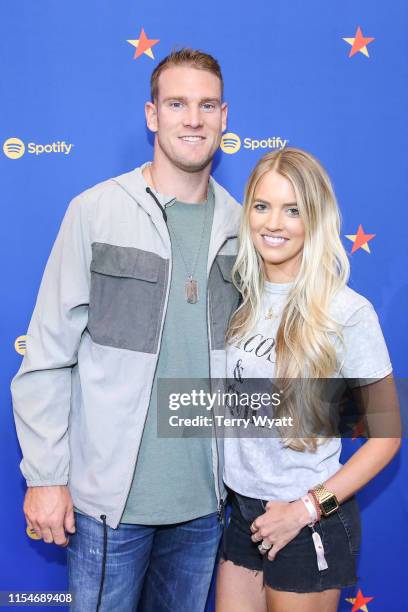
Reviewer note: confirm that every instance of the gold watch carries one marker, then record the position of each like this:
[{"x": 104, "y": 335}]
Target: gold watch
[{"x": 326, "y": 499}]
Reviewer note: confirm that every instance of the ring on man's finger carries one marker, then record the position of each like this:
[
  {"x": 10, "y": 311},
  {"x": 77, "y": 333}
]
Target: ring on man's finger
[
  {"x": 33, "y": 533},
  {"x": 253, "y": 528}
]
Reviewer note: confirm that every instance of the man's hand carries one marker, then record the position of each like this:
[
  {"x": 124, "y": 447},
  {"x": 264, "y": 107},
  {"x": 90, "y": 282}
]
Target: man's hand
[
  {"x": 281, "y": 522},
  {"x": 49, "y": 512}
]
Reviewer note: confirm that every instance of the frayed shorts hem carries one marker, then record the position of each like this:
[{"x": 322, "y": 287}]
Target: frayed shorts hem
[{"x": 286, "y": 588}]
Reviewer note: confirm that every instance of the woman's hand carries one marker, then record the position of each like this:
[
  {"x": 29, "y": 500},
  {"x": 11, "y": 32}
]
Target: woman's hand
[{"x": 280, "y": 523}]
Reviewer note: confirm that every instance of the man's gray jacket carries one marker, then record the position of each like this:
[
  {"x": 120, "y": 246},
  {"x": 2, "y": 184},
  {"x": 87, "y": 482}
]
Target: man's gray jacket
[{"x": 83, "y": 389}]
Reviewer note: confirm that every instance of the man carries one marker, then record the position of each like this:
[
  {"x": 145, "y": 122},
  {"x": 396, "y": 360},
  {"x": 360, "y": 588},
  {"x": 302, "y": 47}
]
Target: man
[{"x": 137, "y": 288}]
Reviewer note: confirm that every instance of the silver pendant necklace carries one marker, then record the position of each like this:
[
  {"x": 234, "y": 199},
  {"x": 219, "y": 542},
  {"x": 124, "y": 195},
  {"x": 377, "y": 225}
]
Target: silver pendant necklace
[{"x": 191, "y": 292}]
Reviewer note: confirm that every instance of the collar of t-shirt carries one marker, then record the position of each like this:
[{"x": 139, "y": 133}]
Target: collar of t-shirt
[{"x": 282, "y": 288}]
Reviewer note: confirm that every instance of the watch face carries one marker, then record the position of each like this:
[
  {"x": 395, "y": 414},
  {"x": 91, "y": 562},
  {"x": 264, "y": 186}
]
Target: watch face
[{"x": 329, "y": 505}]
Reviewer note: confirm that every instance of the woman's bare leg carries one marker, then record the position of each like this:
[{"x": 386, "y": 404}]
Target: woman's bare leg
[
  {"x": 283, "y": 601},
  {"x": 239, "y": 589}
]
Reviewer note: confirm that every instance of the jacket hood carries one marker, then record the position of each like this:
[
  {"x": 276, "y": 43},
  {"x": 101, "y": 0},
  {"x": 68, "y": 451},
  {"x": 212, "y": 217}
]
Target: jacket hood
[{"x": 227, "y": 211}]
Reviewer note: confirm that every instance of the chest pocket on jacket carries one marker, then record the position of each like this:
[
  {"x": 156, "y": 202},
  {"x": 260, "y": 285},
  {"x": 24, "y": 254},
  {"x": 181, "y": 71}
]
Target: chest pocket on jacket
[
  {"x": 128, "y": 288},
  {"x": 223, "y": 298}
]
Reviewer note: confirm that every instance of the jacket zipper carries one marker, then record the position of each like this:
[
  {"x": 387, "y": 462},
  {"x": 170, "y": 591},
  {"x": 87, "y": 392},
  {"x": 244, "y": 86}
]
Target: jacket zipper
[
  {"x": 220, "y": 501},
  {"x": 159, "y": 345}
]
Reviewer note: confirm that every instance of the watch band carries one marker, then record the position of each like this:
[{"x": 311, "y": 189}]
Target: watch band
[{"x": 327, "y": 500}]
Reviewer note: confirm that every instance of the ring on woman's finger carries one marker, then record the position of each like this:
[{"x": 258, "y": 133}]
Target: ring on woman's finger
[
  {"x": 253, "y": 528},
  {"x": 264, "y": 546}
]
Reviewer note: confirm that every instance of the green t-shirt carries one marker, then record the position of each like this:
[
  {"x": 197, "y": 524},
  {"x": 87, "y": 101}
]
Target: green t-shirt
[{"x": 173, "y": 479}]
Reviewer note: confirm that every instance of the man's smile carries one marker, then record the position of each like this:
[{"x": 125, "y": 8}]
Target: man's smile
[{"x": 192, "y": 139}]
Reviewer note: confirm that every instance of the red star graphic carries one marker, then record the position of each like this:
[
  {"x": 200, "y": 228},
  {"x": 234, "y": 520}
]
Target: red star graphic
[
  {"x": 360, "y": 240},
  {"x": 359, "y": 42},
  {"x": 359, "y": 430},
  {"x": 144, "y": 44},
  {"x": 360, "y": 601}
]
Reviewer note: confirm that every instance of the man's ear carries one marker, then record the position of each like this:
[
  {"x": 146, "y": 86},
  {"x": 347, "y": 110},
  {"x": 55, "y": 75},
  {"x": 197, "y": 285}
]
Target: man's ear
[
  {"x": 151, "y": 116},
  {"x": 224, "y": 115}
]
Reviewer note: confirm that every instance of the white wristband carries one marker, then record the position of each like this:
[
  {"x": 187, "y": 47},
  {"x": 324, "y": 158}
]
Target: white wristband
[
  {"x": 310, "y": 508},
  {"x": 321, "y": 560}
]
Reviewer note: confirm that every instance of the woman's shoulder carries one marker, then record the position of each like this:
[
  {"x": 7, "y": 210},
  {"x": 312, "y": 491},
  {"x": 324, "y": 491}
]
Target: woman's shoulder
[
  {"x": 362, "y": 353},
  {"x": 347, "y": 304}
]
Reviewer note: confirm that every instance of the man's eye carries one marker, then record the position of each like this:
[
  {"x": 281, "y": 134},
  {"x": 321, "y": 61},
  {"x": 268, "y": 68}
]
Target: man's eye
[
  {"x": 176, "y": 104},
  {"x": 207, "y": 106},
  {"x": 293, "y": 211}
]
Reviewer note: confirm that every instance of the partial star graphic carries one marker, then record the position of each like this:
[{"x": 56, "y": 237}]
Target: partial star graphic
[
  {"x": 358, "y": 429},
  {"x": 359, "y": 43},
  {"x": 359, "y": 602},
  {"x": 360, "y": 240},
  {"x": 143, "y": 45}
]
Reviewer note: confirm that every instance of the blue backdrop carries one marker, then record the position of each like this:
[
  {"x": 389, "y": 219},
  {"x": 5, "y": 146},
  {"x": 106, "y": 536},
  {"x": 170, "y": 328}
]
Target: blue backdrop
[{"x": 300, "y": 71}]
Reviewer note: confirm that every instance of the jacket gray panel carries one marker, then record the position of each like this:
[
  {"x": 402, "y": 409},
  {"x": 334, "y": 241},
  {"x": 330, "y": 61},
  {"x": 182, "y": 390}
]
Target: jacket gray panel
[
  {"x": 223, "y": 299},
  {"x": 128, "y": 289}
]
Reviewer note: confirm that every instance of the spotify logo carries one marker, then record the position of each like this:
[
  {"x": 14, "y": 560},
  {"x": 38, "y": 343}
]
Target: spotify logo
[
  {"x": 20, "y": 345},
  {"x": 230, "y": 143},
  {"x": 13, "y": 148}
]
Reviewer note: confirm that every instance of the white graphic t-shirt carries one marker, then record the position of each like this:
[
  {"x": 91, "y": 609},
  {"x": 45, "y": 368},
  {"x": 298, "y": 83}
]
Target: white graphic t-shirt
[{"x": 263, "y": 467}]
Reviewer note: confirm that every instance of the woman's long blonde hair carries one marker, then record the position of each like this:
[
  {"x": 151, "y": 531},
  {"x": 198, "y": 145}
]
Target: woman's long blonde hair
[{"x": 303, "y": 346}]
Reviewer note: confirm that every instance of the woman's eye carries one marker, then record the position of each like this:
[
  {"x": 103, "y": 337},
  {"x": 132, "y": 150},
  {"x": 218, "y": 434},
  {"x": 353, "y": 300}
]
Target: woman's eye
[
  {"x": 259, "y": 206},
  {"x": 293, "y": 212}
]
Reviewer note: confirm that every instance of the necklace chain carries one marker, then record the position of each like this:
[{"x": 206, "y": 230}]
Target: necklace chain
[
  {"x": 174, "y": 233},
  {"x": 191, "y": 287}
]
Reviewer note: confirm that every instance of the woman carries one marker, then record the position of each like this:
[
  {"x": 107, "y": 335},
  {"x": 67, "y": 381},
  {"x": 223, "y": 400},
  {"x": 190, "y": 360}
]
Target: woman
[{"x": 294, "y": 530}]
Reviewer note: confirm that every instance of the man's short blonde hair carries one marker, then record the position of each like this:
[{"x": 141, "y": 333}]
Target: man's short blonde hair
[{"x": 189, "y": 57}]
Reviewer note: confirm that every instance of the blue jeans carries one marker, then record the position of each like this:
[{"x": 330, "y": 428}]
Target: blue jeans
[{"x": 148, "y": 569}]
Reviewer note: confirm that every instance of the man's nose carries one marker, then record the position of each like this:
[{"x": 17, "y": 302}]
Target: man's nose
[{"x": 192, "y": 117}]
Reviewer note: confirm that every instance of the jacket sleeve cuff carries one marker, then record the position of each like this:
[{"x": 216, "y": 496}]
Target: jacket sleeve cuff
[{"x": 48, "y": 483}]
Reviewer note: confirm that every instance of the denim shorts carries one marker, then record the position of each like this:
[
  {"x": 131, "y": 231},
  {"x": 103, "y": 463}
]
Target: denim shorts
[{"x": 295, "y": 566}]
